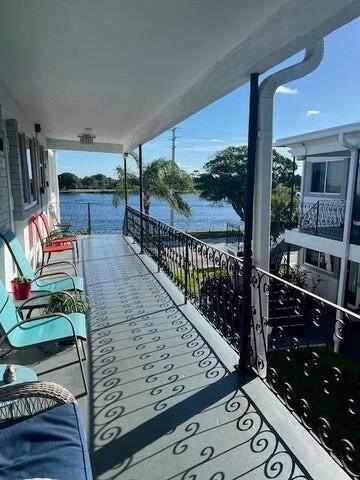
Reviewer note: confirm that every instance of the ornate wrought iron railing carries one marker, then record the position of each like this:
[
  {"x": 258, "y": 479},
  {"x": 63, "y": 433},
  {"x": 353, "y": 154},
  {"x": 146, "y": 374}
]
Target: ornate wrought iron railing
[
  {"x": 208, "y": 277},
  {"x": 305, "y": 348},
  {"x": 324, "y": 218},
  {"x": 234, "y": 236}
]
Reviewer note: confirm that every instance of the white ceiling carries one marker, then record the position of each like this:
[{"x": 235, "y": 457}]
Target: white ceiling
[{"x": 131, "y": 68}]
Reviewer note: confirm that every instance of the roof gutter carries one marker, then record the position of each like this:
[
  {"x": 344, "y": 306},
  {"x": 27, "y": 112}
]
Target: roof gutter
[{"x": 312, "y": 59}]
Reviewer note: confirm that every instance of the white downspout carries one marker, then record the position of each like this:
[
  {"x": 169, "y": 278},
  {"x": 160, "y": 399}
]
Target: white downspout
[
  {"x": 263, "y": 170},
  {"x": 263, "y": 183},
  {"x": 350, "y": 192}
]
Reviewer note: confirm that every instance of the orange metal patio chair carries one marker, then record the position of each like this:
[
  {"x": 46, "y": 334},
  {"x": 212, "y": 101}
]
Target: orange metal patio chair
[
  {"x": 47, "y": 246},
  {"x": 59, "y": 240}
]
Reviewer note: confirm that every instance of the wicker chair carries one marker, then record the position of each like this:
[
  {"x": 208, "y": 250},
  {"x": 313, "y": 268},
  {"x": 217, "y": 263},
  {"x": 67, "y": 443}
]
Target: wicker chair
[
  {"x": 42, "y": 433},
  {"x": 27, "y": 399}
]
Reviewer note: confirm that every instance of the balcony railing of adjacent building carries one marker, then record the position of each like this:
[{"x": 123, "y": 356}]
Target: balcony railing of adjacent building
[
  {"x": 324, "y": 218},
  {"x": 303, "y": 347}
]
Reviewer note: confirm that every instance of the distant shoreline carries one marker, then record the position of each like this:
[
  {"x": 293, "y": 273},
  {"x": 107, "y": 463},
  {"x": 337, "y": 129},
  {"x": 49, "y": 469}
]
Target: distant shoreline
[{"x": 88, "y": 190}]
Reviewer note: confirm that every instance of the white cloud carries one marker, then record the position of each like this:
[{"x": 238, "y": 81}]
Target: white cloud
[
  {"x": 215, "y": 140},
  {"x": 287, "y": 90},
  {"x": 309, "y": 113}
]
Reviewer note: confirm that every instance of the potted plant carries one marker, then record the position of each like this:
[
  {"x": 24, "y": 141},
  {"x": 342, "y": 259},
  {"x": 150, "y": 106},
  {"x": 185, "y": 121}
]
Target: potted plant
[
  {"x": 64, "y": 303},
  {"x": 21, "y": 288}
]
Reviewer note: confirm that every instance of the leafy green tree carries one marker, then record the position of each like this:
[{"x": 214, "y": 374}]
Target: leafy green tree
[
  {"x": 224, "y": 179},
  {"x": 100, "y": 180},
  {"x": 162, "y": 179},
  {"x": 283, "y": 172},
  {"x": 87, "y": 182},
  {"x": 68, "y": 181},
  {"x": 281, "y": 208}
]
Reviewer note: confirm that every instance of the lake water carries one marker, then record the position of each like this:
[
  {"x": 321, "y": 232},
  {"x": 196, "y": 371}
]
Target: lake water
[{"x": 105, "y": 218}]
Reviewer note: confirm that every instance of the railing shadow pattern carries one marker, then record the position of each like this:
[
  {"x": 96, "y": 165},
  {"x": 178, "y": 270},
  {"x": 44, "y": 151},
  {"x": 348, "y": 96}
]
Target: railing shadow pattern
[
  {"x": 209, "y": 277},
  {"x": 304, "y": 347},
  {"x": 161, "y": 399}
]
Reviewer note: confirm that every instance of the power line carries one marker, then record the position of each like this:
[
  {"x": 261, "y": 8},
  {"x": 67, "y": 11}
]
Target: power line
[{"x": 173, "y": 148}]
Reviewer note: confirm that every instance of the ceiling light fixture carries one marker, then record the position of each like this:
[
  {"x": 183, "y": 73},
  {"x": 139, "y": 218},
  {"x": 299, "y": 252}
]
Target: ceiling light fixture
[{"x": 87, "y": 137}]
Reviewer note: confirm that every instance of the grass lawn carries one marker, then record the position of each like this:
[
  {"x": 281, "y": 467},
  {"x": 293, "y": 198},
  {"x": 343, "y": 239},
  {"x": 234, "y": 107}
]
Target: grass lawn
[{"x": 197, "y": 276}]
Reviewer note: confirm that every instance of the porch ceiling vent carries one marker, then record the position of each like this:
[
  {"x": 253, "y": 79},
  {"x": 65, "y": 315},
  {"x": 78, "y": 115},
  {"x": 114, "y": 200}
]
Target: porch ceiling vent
[{"x": 87, "y": 137}]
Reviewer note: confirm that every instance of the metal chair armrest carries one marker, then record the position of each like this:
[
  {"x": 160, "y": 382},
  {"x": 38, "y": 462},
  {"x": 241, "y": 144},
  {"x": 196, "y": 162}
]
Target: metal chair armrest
[
  {"x": 50, "y": 316},
  {"x": 55, "y": 274},
  {"x": 40, "y": 269}
]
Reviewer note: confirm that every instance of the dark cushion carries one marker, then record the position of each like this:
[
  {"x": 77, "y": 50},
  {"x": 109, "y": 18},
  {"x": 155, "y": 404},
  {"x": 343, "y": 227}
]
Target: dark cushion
[{"x": 50, "y": 444}]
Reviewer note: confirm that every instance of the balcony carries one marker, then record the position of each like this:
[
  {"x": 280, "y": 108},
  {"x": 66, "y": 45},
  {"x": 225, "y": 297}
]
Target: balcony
[
  {"x": 165, "y": 398},
  {"x": 324, "y": 218}
]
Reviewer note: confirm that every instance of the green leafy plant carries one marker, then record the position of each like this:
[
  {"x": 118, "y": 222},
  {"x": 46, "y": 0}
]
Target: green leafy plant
[
  {"x": 64, "y": 303},
  {"x": 162, "y": 179},
  {"x": 56, "y": 234},
  {"x": 21, "y": 279},
  {"x": 300, "y": 276},
  {"x": 223, "y": 178}
]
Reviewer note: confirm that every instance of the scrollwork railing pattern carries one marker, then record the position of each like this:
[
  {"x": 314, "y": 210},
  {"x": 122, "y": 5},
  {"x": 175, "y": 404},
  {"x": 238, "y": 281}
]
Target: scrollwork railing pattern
[
  {"x": 324, "y": 218},
  {"x": 305, "y": 348},
  {"x": 312, "y": 363},
  {"x": 208, "y": 277}
]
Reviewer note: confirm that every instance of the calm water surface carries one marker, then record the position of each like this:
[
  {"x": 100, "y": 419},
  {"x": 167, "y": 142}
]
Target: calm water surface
[{"x": 105, "y": 218}]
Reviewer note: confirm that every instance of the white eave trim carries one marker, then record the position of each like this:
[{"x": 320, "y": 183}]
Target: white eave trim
[
  {"x": 233, "y": 70},
  {"x": 317, "y": 135},
  {"x": 59, "y": 144}
]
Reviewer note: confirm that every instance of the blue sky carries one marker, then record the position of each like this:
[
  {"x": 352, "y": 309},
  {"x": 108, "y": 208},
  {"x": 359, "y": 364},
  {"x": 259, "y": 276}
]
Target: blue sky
[{"x": 328, "y": 97}]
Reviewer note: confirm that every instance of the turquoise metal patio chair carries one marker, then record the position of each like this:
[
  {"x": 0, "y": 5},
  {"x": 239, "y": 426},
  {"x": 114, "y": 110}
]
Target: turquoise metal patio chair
[
  {"x": 36, "y": 277},
  {"x": 32, "y": 332}
]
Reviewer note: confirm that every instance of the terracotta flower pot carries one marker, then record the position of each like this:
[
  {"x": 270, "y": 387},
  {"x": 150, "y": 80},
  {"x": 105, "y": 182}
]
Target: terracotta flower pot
[{"x": 21, "y": 291}]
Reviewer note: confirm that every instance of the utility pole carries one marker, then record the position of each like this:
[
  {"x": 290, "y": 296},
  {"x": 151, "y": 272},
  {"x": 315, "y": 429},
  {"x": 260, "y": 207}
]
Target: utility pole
[{"x": 173, "y": 147}]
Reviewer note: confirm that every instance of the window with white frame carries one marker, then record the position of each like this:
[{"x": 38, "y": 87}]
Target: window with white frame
[
  {"x": 326, "y": 177},
  {"x": 42, "y": 168},
  {"x": 28, "y": 169},
  {"x": 321, "y": 260}
]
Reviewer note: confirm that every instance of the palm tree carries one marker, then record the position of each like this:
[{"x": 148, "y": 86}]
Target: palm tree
[{"x": 162, "y": 179}]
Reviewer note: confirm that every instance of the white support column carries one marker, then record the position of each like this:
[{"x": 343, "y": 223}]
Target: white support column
[
  {"x": 347, "y": 225},
  {"x": 350, "y": 192}
]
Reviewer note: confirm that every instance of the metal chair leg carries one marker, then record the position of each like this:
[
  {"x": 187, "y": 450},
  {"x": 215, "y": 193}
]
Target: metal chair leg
[
  {"x": 83, "y": 350},
  {"x": 81, "y": 366},
  {"x": 6, "y": 353}
]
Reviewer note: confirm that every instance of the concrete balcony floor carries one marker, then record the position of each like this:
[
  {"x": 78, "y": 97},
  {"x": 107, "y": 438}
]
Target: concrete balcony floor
[{"x": 165, "y": 401}]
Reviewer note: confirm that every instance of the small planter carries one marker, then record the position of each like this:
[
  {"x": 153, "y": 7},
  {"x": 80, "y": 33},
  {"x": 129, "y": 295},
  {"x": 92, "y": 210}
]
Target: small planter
[{"x": 21, "y": 289}]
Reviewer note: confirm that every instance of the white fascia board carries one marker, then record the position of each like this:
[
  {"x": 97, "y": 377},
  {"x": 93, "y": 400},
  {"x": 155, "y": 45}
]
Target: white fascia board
[
  {"x": 255, "y": 54},
  {"x": 324, "y": 144},
  {"x": 307, "y": 138},
  {"x": 59, "y": 144},
  {"x": 304, "y": 240}
]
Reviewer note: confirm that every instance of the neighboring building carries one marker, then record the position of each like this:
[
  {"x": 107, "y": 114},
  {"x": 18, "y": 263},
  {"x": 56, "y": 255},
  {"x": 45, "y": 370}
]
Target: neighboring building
[{"x": 329, "y": 219}]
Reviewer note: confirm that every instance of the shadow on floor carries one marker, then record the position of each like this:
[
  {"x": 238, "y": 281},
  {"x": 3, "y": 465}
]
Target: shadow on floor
[{"x": 162, "y": 404}]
